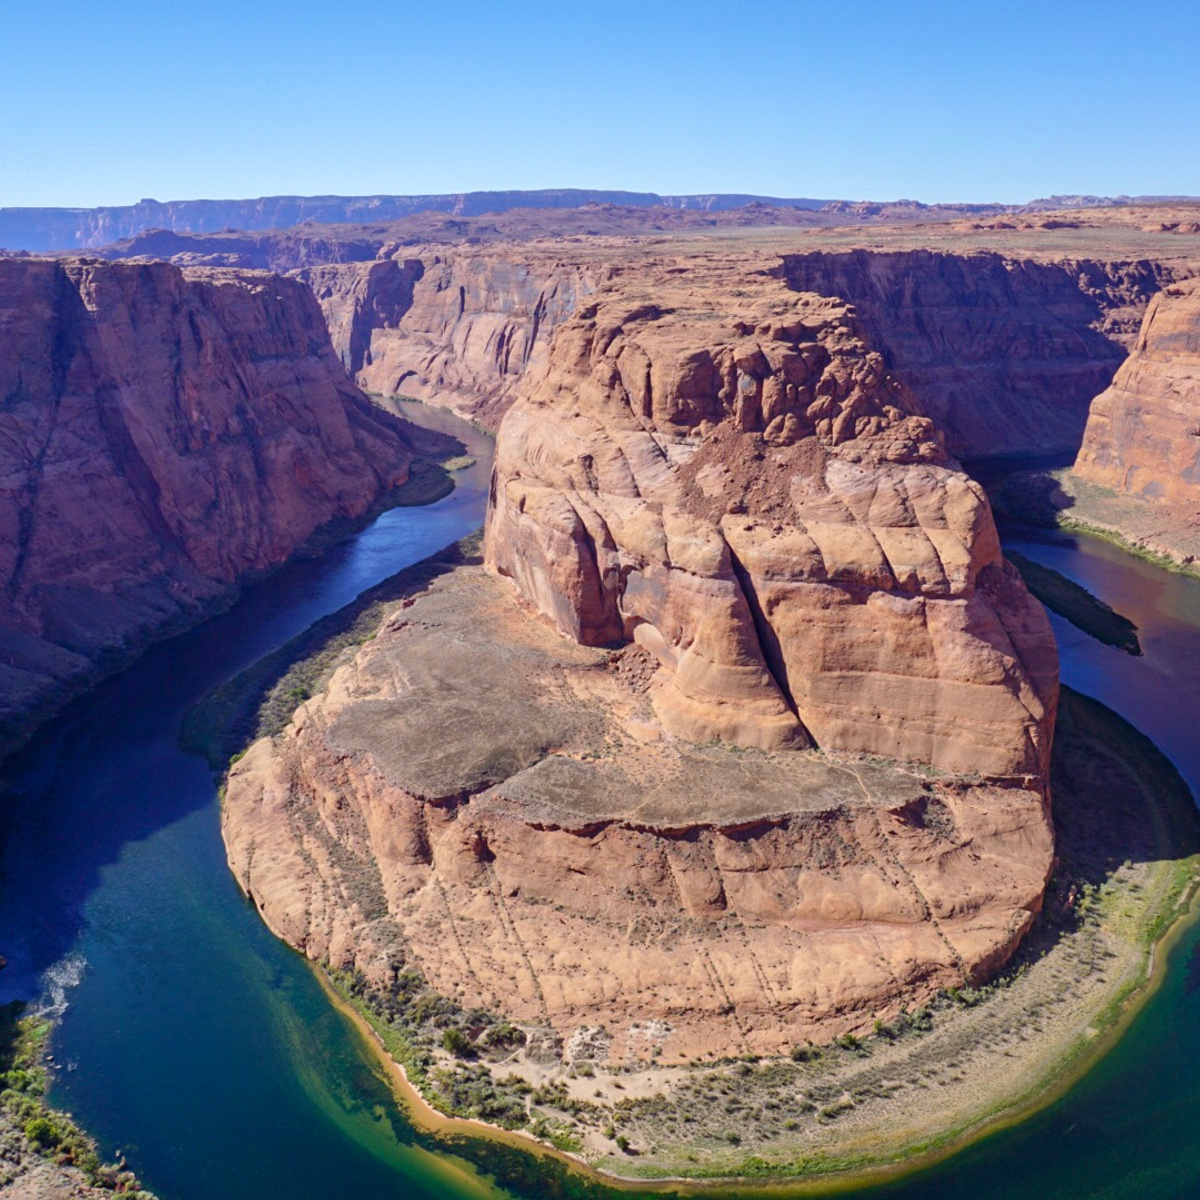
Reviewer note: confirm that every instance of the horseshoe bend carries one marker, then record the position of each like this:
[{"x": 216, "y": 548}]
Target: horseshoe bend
[
  {"x": 671, "y": 671},
  {"x": 734, "y": 738}
]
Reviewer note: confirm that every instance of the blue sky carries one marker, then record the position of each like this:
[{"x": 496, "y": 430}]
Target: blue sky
[{"x": 105, "y": 102}]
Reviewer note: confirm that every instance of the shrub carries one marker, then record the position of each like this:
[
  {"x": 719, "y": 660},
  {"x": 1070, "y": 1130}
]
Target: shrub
[
  {"x": 457, "y": 1043},
  {"x": 42, "y": 1133}
]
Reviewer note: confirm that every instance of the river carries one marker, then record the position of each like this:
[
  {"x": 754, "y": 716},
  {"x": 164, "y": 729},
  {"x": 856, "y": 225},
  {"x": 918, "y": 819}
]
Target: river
[{"x": 203, "y": 1048}]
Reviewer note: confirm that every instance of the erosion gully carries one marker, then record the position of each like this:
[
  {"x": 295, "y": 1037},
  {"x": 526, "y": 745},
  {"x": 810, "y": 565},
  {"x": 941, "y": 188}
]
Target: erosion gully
[{"x": 204, "y": 1049}]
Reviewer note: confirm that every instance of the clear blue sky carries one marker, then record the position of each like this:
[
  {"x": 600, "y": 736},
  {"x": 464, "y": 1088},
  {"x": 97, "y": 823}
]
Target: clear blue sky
[{"x": 103, "y": 101}]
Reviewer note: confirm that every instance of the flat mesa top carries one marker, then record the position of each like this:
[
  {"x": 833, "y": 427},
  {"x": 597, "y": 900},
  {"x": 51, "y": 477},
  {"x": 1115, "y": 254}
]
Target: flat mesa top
[{"x": 462, "y": 694}]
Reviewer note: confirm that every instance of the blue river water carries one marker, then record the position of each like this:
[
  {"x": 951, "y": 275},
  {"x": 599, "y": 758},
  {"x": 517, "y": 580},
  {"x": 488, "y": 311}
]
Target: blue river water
[{"x": 200, "y": 1046}]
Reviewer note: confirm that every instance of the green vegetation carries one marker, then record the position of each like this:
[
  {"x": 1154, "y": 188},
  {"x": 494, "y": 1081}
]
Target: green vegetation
[
  {"x": 412, "y": 1021},
  {"x": 1054, "y": 499},
  {"x": 50, "y": 1134},
  {"x": 455, "y": 1042},
  {"x": 1085, "y": 611}
]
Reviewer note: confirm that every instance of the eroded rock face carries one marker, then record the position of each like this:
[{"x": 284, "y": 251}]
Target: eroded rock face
[
  {"x": 720, "y": 477},
  {"x": 497, "y": 806},
  {"x": 1143, "y": 433},
  {"x": 456, "y": 328},
  {"x": 162, "y": 434},
  {"x": 725, "y": 473},
  {"x": 1004, "y": 354}
]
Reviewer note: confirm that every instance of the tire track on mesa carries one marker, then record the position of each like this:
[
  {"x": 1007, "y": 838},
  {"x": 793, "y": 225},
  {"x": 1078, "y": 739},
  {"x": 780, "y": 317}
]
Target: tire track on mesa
[
  {"x": 718, "y": 986},
  {"x": 892, "y": 859},
  {"x": 462, "y": 950},
  {"x": 510, "y": 928}
]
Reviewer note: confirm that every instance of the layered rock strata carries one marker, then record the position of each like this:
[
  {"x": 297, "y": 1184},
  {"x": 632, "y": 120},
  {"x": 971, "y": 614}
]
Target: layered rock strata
[
  {"x": 163, "y": 433},
  {"x": 725, "y": 473},
  {"x": 477, "y": 798},
  {"x": 1004, "y": 354},
  {"x": 784, "y": 774},
  {"x": 1143, "y": 433},
  {"x": 459, "y": 329}
]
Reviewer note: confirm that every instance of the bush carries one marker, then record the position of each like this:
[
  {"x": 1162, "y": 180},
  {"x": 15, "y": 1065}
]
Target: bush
[
  {"x": 42, "y": 1133},
  {"x": 457, "y": 1043}
]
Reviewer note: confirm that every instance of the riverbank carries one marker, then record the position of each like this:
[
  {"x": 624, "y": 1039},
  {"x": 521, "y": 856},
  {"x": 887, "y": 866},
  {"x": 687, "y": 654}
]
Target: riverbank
[
  {"x": 58, "y": 1159},
  {"x": 974, "y": 1061},
  {"x": 44, "y": 1155},
  {"x": 430, "y": 479},
  {"x": 1058, "y": 499}
]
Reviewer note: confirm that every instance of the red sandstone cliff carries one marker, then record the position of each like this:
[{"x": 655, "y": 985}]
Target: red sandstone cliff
[
  {"x": 458, "y": 328},
  {"x": 162, "y": 434},
  {"x": 1004, "y": 354},
  {"x": 726, "y": 473},
  {"x": 1143, "y": 433}
]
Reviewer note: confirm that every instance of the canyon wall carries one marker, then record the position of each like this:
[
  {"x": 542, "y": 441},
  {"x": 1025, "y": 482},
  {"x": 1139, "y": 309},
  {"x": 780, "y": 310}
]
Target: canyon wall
[
  {"x": 163, "y": 433},
  {"x": 1143, "y": 433},
  {"x": 1004, "y": 354},
  {"x": 726, "y": 473},
  {"x": 457, "y": 328}
]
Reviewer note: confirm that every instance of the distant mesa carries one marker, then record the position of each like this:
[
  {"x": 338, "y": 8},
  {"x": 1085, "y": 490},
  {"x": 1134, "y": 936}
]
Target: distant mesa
[{"x": 42, "y": 229}]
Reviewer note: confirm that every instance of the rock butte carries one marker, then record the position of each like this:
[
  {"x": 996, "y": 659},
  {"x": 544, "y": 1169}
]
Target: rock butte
[
  {"x": 746, "y": 491},
  {"x": 479, "y": 796},
  {"x": 162, "y": 434},
  {"x": 720, "y": 475}
]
